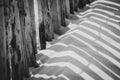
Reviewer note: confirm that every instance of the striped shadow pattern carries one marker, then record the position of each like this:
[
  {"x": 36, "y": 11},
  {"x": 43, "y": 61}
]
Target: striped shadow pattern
[{"x": 90, "y": 50}]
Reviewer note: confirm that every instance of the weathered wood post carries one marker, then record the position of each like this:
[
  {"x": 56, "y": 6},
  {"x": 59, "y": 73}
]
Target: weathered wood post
[
  {"x": 47, "y": 19},
  {"x": 3, "y": 53},
  {"x": 68, "y": 7},
  {"x": 76, "y": 5},
  {"x": 55, "y": 13},
  {"x": 71, "y": 6},
  {"x": 17, "y": 39},
  {"x": 63, "y": 11}
]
